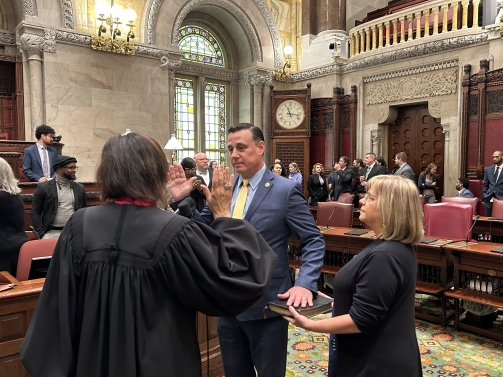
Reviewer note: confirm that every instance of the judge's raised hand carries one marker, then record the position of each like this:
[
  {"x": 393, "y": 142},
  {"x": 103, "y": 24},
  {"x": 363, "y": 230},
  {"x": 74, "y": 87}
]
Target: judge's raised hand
[
  {"x": 179, "y": 186},
  {"x": 220, "y": 197}
]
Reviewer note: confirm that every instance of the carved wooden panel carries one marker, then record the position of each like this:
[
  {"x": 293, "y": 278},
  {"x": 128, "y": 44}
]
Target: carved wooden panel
[
  {"x": 294, "y": 150},
  {"x": 11, "y": 97},
  {"x": 421, "y": 137},
  {"x": 494, "y": 102}
]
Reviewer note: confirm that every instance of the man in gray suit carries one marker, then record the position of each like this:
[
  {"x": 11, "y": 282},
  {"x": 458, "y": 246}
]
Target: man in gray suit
[
  {"x": 276, "y": 207},
  {"x": 404, "y": 169},
  {"x": 493, "y": 182}
]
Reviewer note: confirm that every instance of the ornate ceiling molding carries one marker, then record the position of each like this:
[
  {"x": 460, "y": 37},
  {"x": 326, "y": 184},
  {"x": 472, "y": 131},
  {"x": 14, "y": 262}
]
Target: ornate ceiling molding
[
  {"x": 425, "y": 85},
  {"x": 7, "y": 39},
  {"x": 68, "y": 18},
  {"x": 29, "y": 8},
  {"x": 412, "y": 71},
  {"x": 230, "y": 7}
]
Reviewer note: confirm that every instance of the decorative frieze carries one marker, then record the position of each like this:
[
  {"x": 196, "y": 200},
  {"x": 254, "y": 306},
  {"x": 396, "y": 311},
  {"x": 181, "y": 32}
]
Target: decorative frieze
[
  {"x": 29, "y": 8},
  {"x": 170, "y": 64},
  {"x": 208, "y": 71},
  {"x": 7, "y": 38},
  {"x": 68, "y": 21},
  {"x": 426, "y": 85},
  {"x": 411, "y": 71},
  {"x": 316, "y": 72},
  {"x": 75, "y": 38},
  {"x": 257, "y": 79}
]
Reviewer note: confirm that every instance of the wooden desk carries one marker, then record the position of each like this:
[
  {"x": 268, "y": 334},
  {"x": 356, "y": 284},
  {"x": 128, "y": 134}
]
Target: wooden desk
[
  {"x": 434, "y": 273},
  {"x": 477, "y": 271},
  {"x": 16, "y": 309},
  {"x": 487, "y": 225}
]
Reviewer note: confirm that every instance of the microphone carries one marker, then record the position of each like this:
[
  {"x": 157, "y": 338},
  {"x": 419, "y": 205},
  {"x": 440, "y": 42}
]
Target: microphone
[
  {"x": 185, "y": 208},
  {"x": 474, "y": 221},
  {"x": 329, "y": 217}
]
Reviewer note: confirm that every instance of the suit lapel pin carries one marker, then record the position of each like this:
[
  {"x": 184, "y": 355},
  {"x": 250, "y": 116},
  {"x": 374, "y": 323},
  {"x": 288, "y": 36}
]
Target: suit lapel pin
[{"x": 267, "y": 184}]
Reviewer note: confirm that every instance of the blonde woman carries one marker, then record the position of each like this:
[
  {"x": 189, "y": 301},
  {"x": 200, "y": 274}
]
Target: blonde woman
[
  {"x": 12, "y": 234},
  {"x": 317, "y": 185},
  {"x": 373, "y": 314},
  {"x": 294, "y": 172}
]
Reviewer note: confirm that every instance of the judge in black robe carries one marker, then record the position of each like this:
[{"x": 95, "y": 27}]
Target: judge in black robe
[{"x": 125, "y": 282}]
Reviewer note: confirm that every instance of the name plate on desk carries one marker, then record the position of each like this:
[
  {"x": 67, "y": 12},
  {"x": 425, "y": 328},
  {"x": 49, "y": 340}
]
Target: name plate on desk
[
  {"x": 427, "y": 240},
  {"x": 498, "y": 250},
  {"x": 356, "y": 232},
  {"x": 462, "y": 244}
]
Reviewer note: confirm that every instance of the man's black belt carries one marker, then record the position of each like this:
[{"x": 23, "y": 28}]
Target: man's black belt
[{"x": 57, "y": 228}]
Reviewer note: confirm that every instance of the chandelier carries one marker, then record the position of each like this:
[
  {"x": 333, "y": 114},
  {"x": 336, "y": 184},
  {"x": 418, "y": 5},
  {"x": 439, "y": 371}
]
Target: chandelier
[{"x": 110, "y": 19}]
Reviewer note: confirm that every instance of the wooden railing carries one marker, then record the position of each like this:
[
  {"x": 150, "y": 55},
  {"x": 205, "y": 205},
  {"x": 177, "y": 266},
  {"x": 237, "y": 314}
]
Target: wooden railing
[{"x": 417, "y": 22}]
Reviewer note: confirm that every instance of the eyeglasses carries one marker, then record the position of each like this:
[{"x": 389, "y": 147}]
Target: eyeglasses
[{"x": 74, "y": 168}]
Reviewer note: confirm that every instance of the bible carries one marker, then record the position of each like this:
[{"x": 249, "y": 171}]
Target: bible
[{"x": 321, "y": 304}]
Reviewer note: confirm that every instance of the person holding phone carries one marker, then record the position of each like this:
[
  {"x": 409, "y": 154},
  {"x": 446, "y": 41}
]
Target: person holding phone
[{"x": 189, "y": 168}]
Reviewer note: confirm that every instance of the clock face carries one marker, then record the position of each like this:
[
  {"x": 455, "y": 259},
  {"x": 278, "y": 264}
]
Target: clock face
[{"x": 290, "y": 114}]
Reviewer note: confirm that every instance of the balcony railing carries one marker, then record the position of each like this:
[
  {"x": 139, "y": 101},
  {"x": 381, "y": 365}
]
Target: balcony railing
[{"x": 417, "y": 22}]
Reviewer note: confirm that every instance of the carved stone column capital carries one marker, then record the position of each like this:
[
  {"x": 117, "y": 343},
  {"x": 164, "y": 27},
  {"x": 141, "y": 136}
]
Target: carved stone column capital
[
  {"x": 257, "y": 79},
  {"x": 7, "y": 38},
  {"x": 170, "y": 64},
  {"x": 387, "y": 114},
  {"x": 34, "y": 42}
]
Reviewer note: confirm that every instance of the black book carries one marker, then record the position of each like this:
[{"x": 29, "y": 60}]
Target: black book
[
  {"x": 321, "y": 304},
  {"x": 356, "y": 232},
  {"x": 428, "y": 240}
]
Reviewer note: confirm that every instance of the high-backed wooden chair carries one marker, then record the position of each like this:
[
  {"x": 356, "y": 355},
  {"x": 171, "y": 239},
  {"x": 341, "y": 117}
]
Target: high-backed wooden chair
[
  {"x": 462, "y": 200},
  {"x": 345, "y": 197},
  {"x": 341, "y": 216},
  {"x": 448, "y": 220},
  {"x": 497, "y": 208},
  {"x": 33, "y": 249},
  {"x": 477, "y": 188}
]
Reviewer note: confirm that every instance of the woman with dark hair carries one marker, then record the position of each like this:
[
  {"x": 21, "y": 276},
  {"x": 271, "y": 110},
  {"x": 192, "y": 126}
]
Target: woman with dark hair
[
  {"x": 380, "y": 160},
  {"x": 189, "y": 168},
  {"x": 12, "y": 235},
  {"x": 427, "y": 182},
  {"x": 373, "y": 319},
  {"x": 278, "y": 169},
  {"x": 317, "y": 185},
  {"x": 127, "y": 278},
  {"x": 213, "y": 165}
]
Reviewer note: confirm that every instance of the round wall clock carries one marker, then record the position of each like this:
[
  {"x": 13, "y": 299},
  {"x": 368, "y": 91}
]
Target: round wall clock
[{"x": 290, "y": 114}]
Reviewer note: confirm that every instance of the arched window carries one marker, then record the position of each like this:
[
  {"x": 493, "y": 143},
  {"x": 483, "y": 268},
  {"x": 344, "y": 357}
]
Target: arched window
[{"x": 201, "y": 102}]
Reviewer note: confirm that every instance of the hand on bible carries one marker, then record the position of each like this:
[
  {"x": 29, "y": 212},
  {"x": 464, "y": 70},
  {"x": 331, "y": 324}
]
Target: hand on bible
[
  {"x": 179, "y": 186},
  {"x": 220, "y": 197},
  {"x": 297, "y": 296}
]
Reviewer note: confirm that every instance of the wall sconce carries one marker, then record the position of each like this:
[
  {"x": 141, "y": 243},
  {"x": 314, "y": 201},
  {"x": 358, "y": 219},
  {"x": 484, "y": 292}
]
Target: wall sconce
[
  {"x": 113, "y": 17},
  {"x": 281, "y": 73},
  {"x": 174, "y": 145}
]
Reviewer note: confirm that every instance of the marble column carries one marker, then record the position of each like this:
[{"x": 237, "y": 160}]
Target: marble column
[
  {"x": 257, "y": 82},
  {"x": 172, "y": 65},
  {"x": 36, "y": 91},
  {"x": 331, "y": 15}
]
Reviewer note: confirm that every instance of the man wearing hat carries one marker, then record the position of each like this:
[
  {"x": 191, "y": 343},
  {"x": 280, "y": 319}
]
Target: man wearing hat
[{"x": 55, "y": 201}]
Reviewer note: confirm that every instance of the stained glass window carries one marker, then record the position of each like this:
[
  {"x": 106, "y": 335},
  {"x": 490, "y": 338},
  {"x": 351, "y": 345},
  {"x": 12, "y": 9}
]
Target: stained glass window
[
  {"x": 215, "y": 121},
  {"x": 200, "y": 46},
  {"x": 184, "y": 117}
]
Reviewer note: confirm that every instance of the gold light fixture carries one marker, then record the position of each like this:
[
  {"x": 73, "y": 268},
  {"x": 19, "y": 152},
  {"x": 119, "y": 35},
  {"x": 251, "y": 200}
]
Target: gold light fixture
[
  {"x": 281, "y": 73},
  {"x": 112, "y": 17}
]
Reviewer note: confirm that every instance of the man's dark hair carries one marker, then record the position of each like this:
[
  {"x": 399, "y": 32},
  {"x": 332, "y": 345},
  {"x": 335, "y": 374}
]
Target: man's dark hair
[
  {"x": 381, "y": 160},
  {"x": 346, "y": 159},
  {"x": 465, "y": 182},
  {"x": 359, "y": 161},
  {"x": 44, "y": 130},
  {"x": 255, "y": 131},
  {"x": 133, "y": 166}
]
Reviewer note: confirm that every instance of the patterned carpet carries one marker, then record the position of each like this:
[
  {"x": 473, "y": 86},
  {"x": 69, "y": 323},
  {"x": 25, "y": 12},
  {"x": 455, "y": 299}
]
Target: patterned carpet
[{"x": 444, "y": 353}]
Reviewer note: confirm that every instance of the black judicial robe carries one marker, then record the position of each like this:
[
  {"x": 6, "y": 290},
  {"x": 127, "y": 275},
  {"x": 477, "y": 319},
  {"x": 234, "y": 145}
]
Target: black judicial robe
[{"x": 135, "y": 316}]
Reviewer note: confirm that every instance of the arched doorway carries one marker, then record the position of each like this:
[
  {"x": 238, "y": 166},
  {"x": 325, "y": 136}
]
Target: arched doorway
[{"x": 421, "y": 137}]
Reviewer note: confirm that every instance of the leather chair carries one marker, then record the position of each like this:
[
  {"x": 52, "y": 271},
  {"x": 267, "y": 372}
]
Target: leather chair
[
  {"x": 462, "y": 200},
  {"x": 341, "y": 216},
  {"x": 497, "y": 208},
  {"x": 477, "y": 188},
  {"x": 345, "y": 197},
  {"x": 33, "y": 249},
  {"x": 448, "y": 220}
]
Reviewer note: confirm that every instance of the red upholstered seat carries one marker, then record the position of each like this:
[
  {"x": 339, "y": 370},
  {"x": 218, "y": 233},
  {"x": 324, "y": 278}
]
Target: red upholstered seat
[
  {"x": 463, "y": 200},
  {"x": 342, "y": 215},
  {"x": 448, "y": 220},
  {"x": 345, "y": 198},
  {"x": 497, "y": 208},
  {"x": 477, "y": 188},
  {"x": 33, "y": 249}
]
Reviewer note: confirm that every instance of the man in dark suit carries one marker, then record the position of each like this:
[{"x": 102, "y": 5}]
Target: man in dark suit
[
  {"x": 277, "y": 208},
  {"x": 202, "y": 168},
  {"x": 493, "y": 182},
  {"x": 55, "y": 201},
  {"x": 370, "y": 170},
  {"x": 404, "y": 169},
  {"x": 341, "y": 178},
  {"x": 462, "y": 185},
  {"x": 39, "y": 157}
]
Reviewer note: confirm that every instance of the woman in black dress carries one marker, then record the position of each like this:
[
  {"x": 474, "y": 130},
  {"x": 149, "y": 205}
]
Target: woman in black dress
[
  {"x": 12, "y": 234},
  {"x": 317, "y": 185},
  {"x": 373, "y": 315}
]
